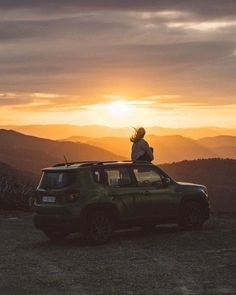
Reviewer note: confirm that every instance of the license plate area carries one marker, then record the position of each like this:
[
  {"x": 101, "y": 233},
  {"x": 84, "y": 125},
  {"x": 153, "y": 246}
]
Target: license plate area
[{"x": 48, "y": 199}]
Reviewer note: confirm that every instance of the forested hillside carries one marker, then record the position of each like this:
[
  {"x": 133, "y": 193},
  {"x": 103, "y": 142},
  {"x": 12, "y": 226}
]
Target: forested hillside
[
  {"x": 16, "y": 188},
  {"x": 219, "y": 175}
]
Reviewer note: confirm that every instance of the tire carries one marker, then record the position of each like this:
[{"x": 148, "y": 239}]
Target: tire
[
  {"x": 55, "y": 235},
  {"x": 99, "y": 228},
  {"x": 192, "y": 216}
]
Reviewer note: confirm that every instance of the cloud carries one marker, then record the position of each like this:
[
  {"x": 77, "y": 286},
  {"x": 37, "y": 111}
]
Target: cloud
[
  {"x": 12, "y": 99},
  {"x": 203, "y": 26},
  {"x": 45, "y": 95},
  {"x": 203, "y": 7},
  {"x": 195, "y": 69},
  {"x": 36, "y": 101},
  {"x": 61, "y": 55}
]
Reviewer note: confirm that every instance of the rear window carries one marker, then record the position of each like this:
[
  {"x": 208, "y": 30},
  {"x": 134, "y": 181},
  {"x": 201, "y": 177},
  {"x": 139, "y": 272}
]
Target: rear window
[{"x": 57, "y": 179}]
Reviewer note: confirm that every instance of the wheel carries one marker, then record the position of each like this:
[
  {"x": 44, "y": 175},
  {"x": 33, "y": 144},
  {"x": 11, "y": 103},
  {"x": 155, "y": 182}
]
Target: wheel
[
  {"x": 192, "y": 216},
  {"x": 99, "y": 228},
  {"x": 56, "y": 235}
]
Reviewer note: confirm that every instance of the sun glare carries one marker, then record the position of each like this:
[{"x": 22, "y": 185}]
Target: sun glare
[{"x": 119, "y": 108}]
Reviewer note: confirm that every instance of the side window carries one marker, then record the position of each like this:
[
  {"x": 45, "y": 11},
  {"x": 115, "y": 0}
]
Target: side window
[
  {"x": 147, "y": 176},
  {"x": 117, "y": 177}
]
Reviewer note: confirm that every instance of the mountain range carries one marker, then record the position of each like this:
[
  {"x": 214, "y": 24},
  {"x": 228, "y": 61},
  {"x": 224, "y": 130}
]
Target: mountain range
[
  {"x": 58, "y": 131},
  {"x": 31, "y": 154},
  {"x": 170, "y": 148}
]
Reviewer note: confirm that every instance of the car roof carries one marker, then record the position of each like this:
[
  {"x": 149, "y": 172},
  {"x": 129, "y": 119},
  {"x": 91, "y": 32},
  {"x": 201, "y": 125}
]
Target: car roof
[{"x": 76, "y": 165}]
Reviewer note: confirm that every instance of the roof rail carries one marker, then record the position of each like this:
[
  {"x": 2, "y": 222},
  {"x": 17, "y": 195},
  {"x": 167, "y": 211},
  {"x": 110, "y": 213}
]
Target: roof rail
[
  {"x": 84, "y": 163},
  {"x": 146, "y": 162},
  {"x": 110, "y": 162},
  {"x": 73, "y": 163},
  {"x": 88, "y": 163}
]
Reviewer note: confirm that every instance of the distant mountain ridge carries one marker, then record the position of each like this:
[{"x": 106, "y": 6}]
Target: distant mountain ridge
[
  {"x": 29, "y": 153},
  {"x": 222, "y": 145},
  {"x": 59, "y": 131},
  {"x": 172, "y": 148}
]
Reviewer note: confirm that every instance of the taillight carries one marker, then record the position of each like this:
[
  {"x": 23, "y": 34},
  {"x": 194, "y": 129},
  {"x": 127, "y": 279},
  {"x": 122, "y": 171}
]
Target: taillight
[{"x": 72, "y": 197}]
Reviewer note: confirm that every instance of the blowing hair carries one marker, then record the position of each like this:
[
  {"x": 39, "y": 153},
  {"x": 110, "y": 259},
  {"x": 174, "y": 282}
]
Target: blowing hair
[{"x": 138, "y": 134}]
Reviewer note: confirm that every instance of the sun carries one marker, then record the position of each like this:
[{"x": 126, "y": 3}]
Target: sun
[{"x": 119, "y": 108}]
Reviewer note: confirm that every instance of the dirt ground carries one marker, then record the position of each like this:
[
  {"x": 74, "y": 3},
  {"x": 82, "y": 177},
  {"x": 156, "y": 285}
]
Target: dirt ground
[{"x": 166, "y": 261}]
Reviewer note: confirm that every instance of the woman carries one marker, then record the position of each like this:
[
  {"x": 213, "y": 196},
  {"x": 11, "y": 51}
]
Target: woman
[{"x": 140, "y": 149}]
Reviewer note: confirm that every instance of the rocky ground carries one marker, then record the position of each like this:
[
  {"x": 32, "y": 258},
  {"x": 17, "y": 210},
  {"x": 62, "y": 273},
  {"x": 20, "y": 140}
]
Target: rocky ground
[{"x": 166, "y": 261}]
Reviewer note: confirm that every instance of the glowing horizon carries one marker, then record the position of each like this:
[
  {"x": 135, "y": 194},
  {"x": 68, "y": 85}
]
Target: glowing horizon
[{"x": 163, "y": 111}]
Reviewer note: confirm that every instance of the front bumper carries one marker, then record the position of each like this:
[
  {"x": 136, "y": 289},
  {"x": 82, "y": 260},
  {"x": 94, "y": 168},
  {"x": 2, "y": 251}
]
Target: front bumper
[{"x": 207, "y": 211}]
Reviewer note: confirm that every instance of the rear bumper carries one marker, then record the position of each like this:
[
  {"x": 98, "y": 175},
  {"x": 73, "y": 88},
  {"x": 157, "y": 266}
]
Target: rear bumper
[{"x": 59, "y": 217}]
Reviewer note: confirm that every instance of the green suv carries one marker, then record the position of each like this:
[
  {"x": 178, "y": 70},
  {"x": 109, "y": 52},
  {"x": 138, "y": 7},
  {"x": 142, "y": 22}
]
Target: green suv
[{"x": 96, "y": 198}]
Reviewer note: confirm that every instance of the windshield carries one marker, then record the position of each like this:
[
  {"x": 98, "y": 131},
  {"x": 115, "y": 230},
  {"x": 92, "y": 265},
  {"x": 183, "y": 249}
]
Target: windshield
[{"x": 57, "y": 179}]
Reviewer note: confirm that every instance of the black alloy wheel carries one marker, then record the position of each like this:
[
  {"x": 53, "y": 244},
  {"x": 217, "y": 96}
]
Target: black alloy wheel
[
  {"x": 192, "y": 216},
  {"x": 99, "y": 228}
]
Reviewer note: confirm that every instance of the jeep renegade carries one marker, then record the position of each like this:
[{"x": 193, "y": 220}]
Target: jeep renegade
[{"x": 96, "y": 198}]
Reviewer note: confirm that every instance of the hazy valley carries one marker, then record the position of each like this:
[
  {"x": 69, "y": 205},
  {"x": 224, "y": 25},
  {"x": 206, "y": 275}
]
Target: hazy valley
[
  {"x": 171, "y": 148},
  {"x": 59, "y": 131}
]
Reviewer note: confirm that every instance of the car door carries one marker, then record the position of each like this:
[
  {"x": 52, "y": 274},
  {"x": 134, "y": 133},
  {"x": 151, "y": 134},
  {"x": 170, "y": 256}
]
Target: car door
[
  {"x": 120, "y": 190},
  {"x": 154, "y": 199}
]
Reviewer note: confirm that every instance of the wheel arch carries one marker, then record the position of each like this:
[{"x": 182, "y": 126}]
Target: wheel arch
[{"x": 193, "y": 197}]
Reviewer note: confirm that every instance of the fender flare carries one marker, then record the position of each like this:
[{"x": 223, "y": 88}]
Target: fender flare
[{"x": 194, "y": 197}]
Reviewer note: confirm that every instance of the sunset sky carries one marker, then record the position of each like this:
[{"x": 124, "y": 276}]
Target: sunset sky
[{"x": 118, "y": 63}]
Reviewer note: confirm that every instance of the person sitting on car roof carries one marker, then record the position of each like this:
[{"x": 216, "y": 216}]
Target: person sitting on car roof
[{"x": 141, "y": 151}]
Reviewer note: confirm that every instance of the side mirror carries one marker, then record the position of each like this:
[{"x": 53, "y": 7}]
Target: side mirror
[{"x": 166, "y": 181}]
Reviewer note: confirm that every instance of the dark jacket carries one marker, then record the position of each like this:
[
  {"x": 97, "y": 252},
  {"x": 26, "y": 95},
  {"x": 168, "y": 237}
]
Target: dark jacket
[{"x": 141, "y": 151}]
